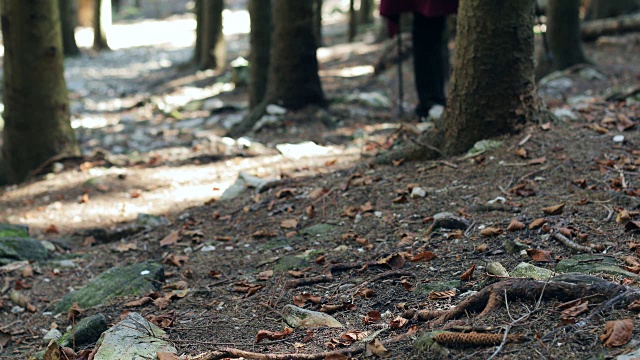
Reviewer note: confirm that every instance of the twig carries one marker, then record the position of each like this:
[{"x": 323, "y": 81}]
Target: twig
[
  {"x": 570, "y": 244},
  {"x": 430, "y": 147}
]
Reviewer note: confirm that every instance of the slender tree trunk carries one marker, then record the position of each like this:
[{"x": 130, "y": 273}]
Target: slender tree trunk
[
  {"x": 198, "y": 10},
  {"x": 212, "y": 45},
  {"x": 101, "y": 24},
  {"x": 260, "y": 39},
  {"x": 85, "y": 12},
  {"x": 317, "y": 21},
  {"x": 563, "y": 36},
  {"x": 365, "y": 13},
  {"x": 36, "y": 112},
  {"x": 353, "y": 21},
  {"x": 68, "y": 19},
  {"x": 293, "y": 66}
]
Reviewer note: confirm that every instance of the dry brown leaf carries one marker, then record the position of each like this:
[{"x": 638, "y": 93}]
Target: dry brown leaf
[
  {"x": 272, "y": 335},
  {"x": 623, "y": 216},
  {"x": 366, "y": 207},
  {"x": 467, "y": 275},
  {"x": 617, "y": 333},
  {"x": 170, "y": 239},
  {"x": 161, "y": 303},
  {"x": 166, "y": 356},
  {"x": 366, "y": 293},
  {"x": 289, "y": 224},
  {"x": 482, "y": 247},
  {"x": 554, "y": 210},
  {"x": 568, "y": 315},
  {"x": 546, "y": 126},
  {"x": 515, "y": 225},
  {"x": 316, "y": 193},
  {"x": 310, "y": 211},
  {"x": 634, "y": 306},
  {"x": 176, "y": 260},
  {"x": 372, "y": 317},
  {"x": 540, "y": 255},
  {"x": 537, "y": 223},
  {"x": 52, "y": 229},
  {"x": 491, "y": 231},
  {"x": 376, "y": 348},
  {"x": 265, "y": 275},
  {"x": 522, "y": 152},
  {"x": 395, "y": 261},
  {"x": 320, "y": 260},
  {"x": 632, "y": 226},
  {"x": 424, "y": 256},
  {"x": 123, "y": 247},
  {"x": 27, "y": 271},
  {"x": 537, "y": 161},
  {"x": 52, "y": 352},
  {"x": 350, "y": 211},
  {"x": 398, "y": 322},
  {"x": 143, "y": 300},
  {"x": 447, "y": 294}
]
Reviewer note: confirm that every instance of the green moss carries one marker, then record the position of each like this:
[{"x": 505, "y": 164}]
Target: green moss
[
  {"x": 425, "y": 289},
  {"x": 10, "y": 230},
  {"x": 17, "y": 249}
]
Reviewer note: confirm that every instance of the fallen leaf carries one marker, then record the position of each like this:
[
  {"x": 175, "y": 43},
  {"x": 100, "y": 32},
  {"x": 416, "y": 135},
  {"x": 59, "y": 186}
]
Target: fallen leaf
[
  {"x": 568, "y": 315},
  {"x": 537, "y": 223},
  {"x": 398, "y": 322},
  {"x": 5, "y": 337},
  {"x": 123, "y": 247},
  {"x": 540, "y": 255},
  {"x": 320, "y": 260},
  {"x": 143, "y": 300},
  {"x": 515, "y": 225},
  {"x": 272, "y": 335},
  {"x": 546, "y": 126},
  {"x": 170, "y": 239},
  {"x": 289, "y": 224},
  {"x": 375, "y": 347},
  {"x": 491, "y": 231},
  {"x": 52, "y": 352},
  {"x": 424, "y": 256},
  {"x": 467, "y": 275},
  {"x": 366, "y": 293},
  {"x": 176, "y": 260},
  {"x": 395, "y": 261},
  {"x": 366, "y": 207},
  {"x": 84, "y": 198},
  {"x": 632, "y": 226},
  {"x": 554, "y": 210},
  {"x": 166, "y": 356},
  {"x": 161, "y": 303},
  {"x": 350, "y": 211},
  {"x": 51, "y": 229},
  {"x": 617, "y": 333},
  {"x": 316, "y": 193},
  {"x": 623, "y": 216},
  {"x": 537, "y": 161},
  {"x": 447, "y": 294},
  {"x": 522, "y": 152},
  {"x": 482, "y": 247},
  {"x": 372, "y": 317}
]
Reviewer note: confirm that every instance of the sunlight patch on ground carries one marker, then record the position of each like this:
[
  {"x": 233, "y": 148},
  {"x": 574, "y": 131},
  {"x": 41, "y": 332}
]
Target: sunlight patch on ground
[{"x": 348, "y": 72}]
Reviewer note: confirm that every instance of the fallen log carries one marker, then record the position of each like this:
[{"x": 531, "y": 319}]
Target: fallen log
[{"x": 593, "y": 29}]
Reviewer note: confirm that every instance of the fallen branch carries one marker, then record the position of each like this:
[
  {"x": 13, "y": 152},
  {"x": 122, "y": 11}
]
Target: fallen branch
[
  {"x": 570, "y": 244},
  {"x": 593, "y": 29}
]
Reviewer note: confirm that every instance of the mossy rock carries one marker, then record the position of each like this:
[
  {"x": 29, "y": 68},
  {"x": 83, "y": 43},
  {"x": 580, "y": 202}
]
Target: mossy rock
[
  {"x": 275, "y": 243},
  {"x": 11, "y": 230},
  {"x": 19, "y": 248},
  {"x": 320, "y": 231},
  {"x": 592, "y": 264},
  {"x": 131, "y": 280},
  {"x": 429, "y": 348},
  {"x": 86, "y": 332},
  {"x": 425, "y": 289},
  {"x": 526, "y": 270},
  {"x": 290, "y": 263}
]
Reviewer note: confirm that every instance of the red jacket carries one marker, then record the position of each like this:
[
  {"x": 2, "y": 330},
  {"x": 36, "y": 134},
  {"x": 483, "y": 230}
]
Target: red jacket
[{"x": 391, "y": 9}]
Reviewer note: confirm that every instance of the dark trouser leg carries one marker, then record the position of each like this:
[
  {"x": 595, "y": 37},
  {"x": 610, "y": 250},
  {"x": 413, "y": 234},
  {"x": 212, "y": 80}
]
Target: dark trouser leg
[{"x": 429, "y": 61}]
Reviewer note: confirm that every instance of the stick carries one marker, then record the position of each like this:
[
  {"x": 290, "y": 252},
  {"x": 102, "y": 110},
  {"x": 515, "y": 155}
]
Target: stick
[{"x": 400, "y": 79}]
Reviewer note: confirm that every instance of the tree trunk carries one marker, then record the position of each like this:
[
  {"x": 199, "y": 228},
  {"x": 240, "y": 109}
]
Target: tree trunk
[
  {"x": 68, "y": 19},
  {"x": 317, "y": 21},
  {"x": 293, "y": 66},
  {"x": 600, "y": 9},
  {"x": 353, "y": 21},
  {"x": 101, "y": 23},
  {"x": 197, "y": 51},
  {"x": 85, "y": 12},
  {"x": 593, "y": 29},
  {"x": 564, "y": 37},
  {"x": 260, "y": 39},
  {"x": 213, "y": 50},
  {"x": 36, "y": 113},
  {"x": 365, "y": 13}
]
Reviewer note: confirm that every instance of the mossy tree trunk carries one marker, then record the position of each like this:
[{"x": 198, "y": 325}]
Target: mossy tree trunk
[
  {"x": 492, "y": 89},
  {"x": 317, "y": 21},
  {"x": 213, "y": 51},
  {"x": 36, "y": 113},
  {"x": 293, "y": 65},
  {"x": 102, "y": 19},
  {"x": 353, "y": 21},
  {"x": 260, "y": 39},
  {"x": 564, "y": 38},
  {"x": 69, "y": 19}
]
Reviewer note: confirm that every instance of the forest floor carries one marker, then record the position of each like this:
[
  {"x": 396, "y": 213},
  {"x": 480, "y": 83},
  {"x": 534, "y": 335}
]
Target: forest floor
[{"x": 332, "y": 213}]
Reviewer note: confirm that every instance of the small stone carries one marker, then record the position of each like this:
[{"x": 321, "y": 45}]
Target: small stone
[
  {"x": 446, "y": 220},
  {"x": 57, "y": 167},
  {"x": 618, "y": 139},
  {"x": 526, "y": 270},
  {"x": 418, "y": 192},
  {"x": 495, "y": 268},
  {"x": 207, "y": 248},
  {"x": 514, "y": 246},
  {"x": 298, "y": 317},
  {"x": 273, "y": 109},
  {"x": 53, "y": 334}
]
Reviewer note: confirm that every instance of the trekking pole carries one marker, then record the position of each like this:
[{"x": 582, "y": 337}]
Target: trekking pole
[{"x": 400, "y": 84}]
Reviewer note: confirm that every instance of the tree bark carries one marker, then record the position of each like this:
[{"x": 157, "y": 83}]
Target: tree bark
[
  {"x": 260, "y": 39},
  {"x": 593, "y": 29},
  {"x": 293, "y": 66},
  {"x": 68, "y": 20},
  {"x": 600, "y": 9},
  {"x": 213, "y": 50},
  {"x": 492, "y": 89},
  {"x": 353, "y": 21},
  {"x": 317, "y": 21},
  {"x": 198, "y": 11},
  {"x": 37, "y": 124},
  {"x": 101, "y": 23},
  {"x": 564, "y": 38},
  {"x": 365, "y": 13}
]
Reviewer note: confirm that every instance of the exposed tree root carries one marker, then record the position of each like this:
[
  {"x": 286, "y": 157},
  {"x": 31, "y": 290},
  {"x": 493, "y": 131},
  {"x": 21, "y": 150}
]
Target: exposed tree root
[{"x": 562, "y": 287}]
